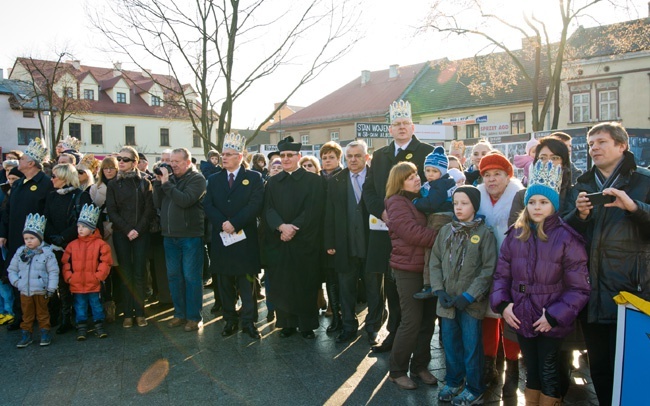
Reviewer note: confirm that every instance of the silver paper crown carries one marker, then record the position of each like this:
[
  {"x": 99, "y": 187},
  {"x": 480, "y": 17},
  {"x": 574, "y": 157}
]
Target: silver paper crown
[
  {"x": 35, "y": 223},
  {"x": 546, "y": 174},
  {"x": 70, "y": 142},
  {"x": 36, "y": 150},
  {"x": 234, "y": 141},
  {"x": 89, "y": 215},
  {"x": 400, "y": 109}
]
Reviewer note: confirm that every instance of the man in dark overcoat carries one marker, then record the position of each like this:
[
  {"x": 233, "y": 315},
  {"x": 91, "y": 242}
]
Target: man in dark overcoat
[
  {"x": 404, "y": 147},
  {"x": 233, "y": 203}
]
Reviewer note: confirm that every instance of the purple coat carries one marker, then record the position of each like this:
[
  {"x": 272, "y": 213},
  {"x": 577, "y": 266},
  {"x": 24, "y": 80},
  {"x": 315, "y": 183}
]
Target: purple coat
[{"x": 535, "y": 274}]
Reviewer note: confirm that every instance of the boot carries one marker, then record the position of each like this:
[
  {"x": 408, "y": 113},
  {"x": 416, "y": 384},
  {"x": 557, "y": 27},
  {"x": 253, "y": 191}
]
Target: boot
[
  {"x": 25, "y": 340},
  {"x": 549, "y": 401},
  {"x": 109, "y": 310},
  {"x": 99, "y": 330},
  {"x": 490, "y": 371},
  {"x": 46, "y": 337},
  {"x": 333, "y": 295},
  {"x": 82, "y": 329},
  {"x": 511, "y": 383},
  {"x": 532, "y": 397}
]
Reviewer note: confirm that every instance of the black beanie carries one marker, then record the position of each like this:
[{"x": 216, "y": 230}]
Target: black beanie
[{"x": 473, "y": 193}]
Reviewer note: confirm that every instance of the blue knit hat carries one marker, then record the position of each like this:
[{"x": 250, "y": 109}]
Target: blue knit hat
[
  {"x": 545, "y": 180},
  {"x": 438, "y": 160}
]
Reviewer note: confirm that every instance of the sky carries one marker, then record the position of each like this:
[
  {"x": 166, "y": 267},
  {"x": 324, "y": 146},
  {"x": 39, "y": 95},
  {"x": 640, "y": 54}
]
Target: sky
[{"x": 389, "y": 31}]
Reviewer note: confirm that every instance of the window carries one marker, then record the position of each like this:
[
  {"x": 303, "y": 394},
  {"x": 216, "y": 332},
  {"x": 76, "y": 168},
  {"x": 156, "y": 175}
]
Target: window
[
  {"x": 164, "y": 137},
  {"x": 518, "y": 123},
  {"x": 121, "y": 97},
  {"x": 74, "y": 129},
  {"x": 580, "y": 107},
  {"x": 25, "y": 135},
  {"x": 334, "y": 136},
  {"x": 89, "y": 94},
  {"x": 304, "y": 138},
  {"x": 196, "y": 139},
  {"x": 608, "y": 105},
  {"x": 155, "y": 101},
  {"x": 471, "y": 131},
  {"x": 129, "y": 135},
  {"x": 68, "y": 92},
  {"x": 28, "y": 114},
  {"x": 96, "y": 134}
]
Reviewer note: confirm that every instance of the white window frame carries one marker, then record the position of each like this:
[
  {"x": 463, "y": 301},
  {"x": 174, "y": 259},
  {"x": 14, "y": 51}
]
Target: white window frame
[
  {"x": 581, "y": 107},
  {"x": 610, "y": 104},
  {"x": 304, "y": 139}
]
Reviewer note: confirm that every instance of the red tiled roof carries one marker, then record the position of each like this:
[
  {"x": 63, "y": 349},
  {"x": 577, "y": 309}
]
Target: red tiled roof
[{"x": 355, "y": 100}]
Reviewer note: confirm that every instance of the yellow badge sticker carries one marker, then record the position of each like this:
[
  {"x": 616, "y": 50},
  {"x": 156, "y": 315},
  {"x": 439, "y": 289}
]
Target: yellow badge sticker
[
  {"x": 245, "y": 182},
  {"x": 373, "y": 220},
  {"x": 409, "y": 156},
  {"x": 475, "y": 239},
  {"x": 33, "y": 188}
]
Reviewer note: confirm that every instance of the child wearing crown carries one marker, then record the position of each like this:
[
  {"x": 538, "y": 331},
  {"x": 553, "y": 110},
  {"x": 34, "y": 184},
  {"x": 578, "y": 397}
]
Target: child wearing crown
[
  {"x": 86, "y": 263},
  {"x": 35, "y": 273}
]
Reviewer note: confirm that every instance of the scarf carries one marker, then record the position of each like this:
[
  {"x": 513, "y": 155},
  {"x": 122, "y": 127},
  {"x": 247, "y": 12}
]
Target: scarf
[
  {"x": 27, "y": 254},
  {"x": 409, "y": 195},
  {"x": 456, "y": 243},
  {"x": 65, "y": 190},
  {"x": 625, "y": 166}
]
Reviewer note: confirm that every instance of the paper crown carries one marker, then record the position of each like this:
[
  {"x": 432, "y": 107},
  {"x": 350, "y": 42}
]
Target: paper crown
[
  {"x": 234, "y": 141},
  {"x": 35, "y": 224},
  {"x": 545, "y": 180},
  {"x": 89, "y": 216},
  {"x": 400, "y": 109},
  {"x": 70, "y": 142},
  {"x": 457, "y": 145},
  {"x": 36, "y": 150}
]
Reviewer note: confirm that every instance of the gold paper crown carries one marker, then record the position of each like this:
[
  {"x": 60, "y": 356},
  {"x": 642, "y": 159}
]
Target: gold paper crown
[
  {"x": 90, "y": 162},
  {"x": 89, "y": 215},
  {"x": 70, "y": 142},
  {"x": 234, "y": 141},
  {"x": 400, "y": 109},
  {"x": 35, "y": 223},
  {"x": 36, "y": 150}
]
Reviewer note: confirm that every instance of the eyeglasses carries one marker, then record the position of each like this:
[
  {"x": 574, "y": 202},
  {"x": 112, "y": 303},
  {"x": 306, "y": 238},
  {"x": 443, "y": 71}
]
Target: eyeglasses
[
  {"x": 124, "y": 159},
  {"x": 109, "y": 169},
  {"x": 229, "y": 154},
  {"x": 287, "y": 155},
  {"x": 554, "y": 158},
  {"x": 402, "y": 123}
]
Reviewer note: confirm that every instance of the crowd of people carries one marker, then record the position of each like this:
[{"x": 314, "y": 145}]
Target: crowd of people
[{"x": 410, "y": 231}]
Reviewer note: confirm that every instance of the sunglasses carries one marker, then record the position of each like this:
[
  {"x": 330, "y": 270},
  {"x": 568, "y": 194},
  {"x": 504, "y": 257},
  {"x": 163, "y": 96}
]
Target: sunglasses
[
  {"x": 53, "y": 176},
  {"x": 81, "y": 173},
  {"x": 288, "y": 155},
  {"x": 307, "y": 165},
  {"x": 124, "y": 159}
]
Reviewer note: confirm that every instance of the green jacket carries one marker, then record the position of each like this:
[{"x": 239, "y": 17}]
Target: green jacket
[{"x": 475, "y": 274}]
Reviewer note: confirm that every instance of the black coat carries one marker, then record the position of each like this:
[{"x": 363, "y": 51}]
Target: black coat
[
  {"x": 241, "y": 205},
  {"x": 374, "y": 192},
  {"x": 129, "y": 202},
  {"x": 336, "y": 219},
  {"x": 618, "y": 242},
  {"x": 62, "y": 212}
]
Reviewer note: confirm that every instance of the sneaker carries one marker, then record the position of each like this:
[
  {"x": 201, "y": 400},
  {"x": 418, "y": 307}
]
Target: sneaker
[
  {"x": 128, "y": 322},
  {"x": 141, "y": 321},
  {"x": 448, "y": 393},
  {"x": 25, "y": 340},
  {"x": 6, "y": 319},
  {"x": 466, "y": 398},
  {"x": 46, "y": 338}
]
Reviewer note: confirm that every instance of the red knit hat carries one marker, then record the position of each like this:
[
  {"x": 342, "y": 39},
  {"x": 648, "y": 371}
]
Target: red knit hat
[{"x": 496, "y": 161}]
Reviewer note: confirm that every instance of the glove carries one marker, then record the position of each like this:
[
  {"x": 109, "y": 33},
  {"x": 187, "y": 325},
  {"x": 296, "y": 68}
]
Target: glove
[
  {"x": 57, "y": 240},
  {"x": 49, "y": 294},
  {"x": 461, "y": 302},
  {"x": 445, "y": 300}
]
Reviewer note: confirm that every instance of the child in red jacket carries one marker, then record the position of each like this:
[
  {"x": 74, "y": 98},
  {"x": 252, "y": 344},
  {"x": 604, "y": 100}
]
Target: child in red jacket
[{"x": 86, "y": 263}]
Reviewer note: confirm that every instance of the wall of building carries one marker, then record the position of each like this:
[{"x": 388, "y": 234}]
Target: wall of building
[{"x": 12, "y": 120}]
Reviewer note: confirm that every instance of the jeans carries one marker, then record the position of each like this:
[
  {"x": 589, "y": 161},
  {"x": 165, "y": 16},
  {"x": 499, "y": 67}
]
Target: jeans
[
  {"x": 184, "y": 258},
  {"x": 541, "y": 357},
  {"x": 81, "y": 301},
  {"x": 461, "y": 337},
  {"x": 132, "y": 256},
  {"x": 6, "y": 299}
]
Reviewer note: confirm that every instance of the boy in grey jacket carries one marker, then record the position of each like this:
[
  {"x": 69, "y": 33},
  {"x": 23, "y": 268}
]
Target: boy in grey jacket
[{"x": 35, "y": 273}]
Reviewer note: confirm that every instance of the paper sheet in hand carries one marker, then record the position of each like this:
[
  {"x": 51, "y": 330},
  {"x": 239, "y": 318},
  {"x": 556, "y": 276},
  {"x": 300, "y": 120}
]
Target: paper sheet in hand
[
  {"x": 376, "y": 224},
  {"x": 229, "y": 239}
]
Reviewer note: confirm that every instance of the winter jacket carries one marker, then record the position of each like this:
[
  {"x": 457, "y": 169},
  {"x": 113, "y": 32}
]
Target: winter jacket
[
  {"x": 62, "y": 209},
  {"x": 409, "y": 235},
  {"x": 475, "y": 274},
  {"x": 536, "y": 275},
  {"x": 618, "y": 242},
  {"x": 208, "y": 169},
  {"x": 129, "y": 202},
  {"x": 86, "y": 263},
  {"x": 437, "y": 197},
  {"x": 36, "y": 276},
  {"x": 180, "y": 201}
]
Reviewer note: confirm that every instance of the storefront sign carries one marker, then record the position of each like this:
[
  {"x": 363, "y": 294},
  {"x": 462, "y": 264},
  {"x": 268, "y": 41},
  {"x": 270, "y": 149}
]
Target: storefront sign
[
  {"x": 465, "y": 120},
  {"x": 495, "y": 129},
  {"x": 372, "y": 130}
]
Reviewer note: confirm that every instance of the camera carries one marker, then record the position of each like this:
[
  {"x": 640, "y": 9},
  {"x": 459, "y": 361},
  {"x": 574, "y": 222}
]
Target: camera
[{"x": 167, "y": 166}]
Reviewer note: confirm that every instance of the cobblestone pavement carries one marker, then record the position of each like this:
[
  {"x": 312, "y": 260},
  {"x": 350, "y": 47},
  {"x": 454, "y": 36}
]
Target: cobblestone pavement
[{"x": 156, "y": 365}]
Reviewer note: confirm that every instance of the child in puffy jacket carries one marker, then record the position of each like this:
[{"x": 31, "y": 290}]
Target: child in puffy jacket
[
  {"x": 525, "y": 161},
  {"x": 86, "y": 263},
  {"x": 35, "y": 273},
  {"x": 541, "y": 282}
]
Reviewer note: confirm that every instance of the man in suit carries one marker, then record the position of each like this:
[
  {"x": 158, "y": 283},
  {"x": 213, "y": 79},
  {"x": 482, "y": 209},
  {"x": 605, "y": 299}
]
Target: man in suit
[
  {"x": 233, "y": 202},
  {"x": 404, "y": 147},
  {"x": 346, "y": 235}
]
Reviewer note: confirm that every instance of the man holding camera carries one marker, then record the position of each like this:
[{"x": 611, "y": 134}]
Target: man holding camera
[
  {"x": 618, "y": 242},
  {"x": 179, "y": 196}
]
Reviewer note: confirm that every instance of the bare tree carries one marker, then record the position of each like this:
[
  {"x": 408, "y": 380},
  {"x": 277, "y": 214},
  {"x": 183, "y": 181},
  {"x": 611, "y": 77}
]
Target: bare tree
[
  {"x": 212, "y": 42},
  {"x": 540, "y": 63}
]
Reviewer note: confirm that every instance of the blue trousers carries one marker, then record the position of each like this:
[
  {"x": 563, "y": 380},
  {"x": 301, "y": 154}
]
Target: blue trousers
[
  {"x": 184, "y": 257},
  {"x": 81, "y": 301},
  {"x": 462, "y": 339}
]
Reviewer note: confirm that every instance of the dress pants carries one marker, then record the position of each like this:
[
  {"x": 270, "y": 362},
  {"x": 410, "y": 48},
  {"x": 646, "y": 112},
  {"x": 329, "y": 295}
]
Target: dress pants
[
  {"x": 229, "y": 286},
  {"x": 348, "y": 289},
  {"x": 601, "y": 347}
]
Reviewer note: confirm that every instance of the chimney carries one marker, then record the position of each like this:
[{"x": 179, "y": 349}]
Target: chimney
[
  {"x": 117, "y": 69},
  {"x": 365, "y": 77},
  {"x": 393, "y": 72},
  {"x": 75, "y": 64}
]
